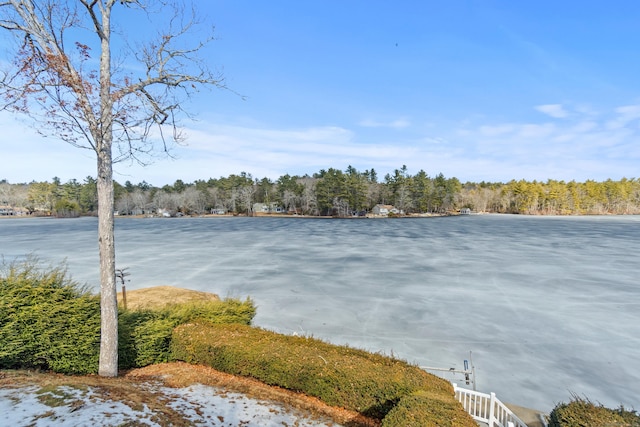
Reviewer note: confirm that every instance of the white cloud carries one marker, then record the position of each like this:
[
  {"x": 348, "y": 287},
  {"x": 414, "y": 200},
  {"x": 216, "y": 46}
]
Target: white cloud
[
  {"x": 27, "y": 156},
  {"x": 434, "y": 140},
  {"x": 235, "y": 140},
  {"x": 400, "y": 123},
  {"x": 580, "y": 147},
  {"x": 586, "y": 110},
  {"x": 629, "y": 111},
  {"x": 583, "y": 146},
  {"x": 219, "y": 150},
  {"x": 556, "y": 111},
  {"x": 535, "y": 130},
  {"x": 496, "y": 130},
  {"x": 584, "y": 126},
  {"x": 625, "y": 115}
]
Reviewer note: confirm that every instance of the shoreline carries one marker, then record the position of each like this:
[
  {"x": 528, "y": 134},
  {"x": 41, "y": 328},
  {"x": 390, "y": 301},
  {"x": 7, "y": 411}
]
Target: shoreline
[
  {"x": 368, "y": 216},
  {"x": 208, "y": 216}
]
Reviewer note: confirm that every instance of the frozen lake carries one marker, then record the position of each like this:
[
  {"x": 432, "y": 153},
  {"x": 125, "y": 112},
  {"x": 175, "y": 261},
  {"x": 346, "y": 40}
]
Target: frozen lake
[{"x": 549, "y": 306}]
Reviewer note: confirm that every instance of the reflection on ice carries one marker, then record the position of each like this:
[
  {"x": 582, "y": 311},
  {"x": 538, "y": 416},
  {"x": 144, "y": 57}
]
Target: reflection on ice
[{"x": 549, "y": 306}]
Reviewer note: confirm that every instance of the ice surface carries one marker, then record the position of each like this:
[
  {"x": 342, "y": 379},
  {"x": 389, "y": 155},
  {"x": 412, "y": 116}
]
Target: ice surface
[{"x": 549, "y": 306}]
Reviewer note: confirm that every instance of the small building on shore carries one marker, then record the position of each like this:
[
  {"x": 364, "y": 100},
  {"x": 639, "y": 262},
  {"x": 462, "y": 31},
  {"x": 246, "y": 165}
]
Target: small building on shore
[
  {"x": 384, "y": 210},
  {"x": 268, "y": 208}
]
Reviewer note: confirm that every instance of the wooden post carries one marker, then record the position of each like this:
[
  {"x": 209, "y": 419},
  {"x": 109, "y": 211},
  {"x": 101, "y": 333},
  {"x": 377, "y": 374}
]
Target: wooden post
[
  {"x": 492, "y": 409},
  {"x": 121, "y": 273},
  {"x": 473, "y": 371}
]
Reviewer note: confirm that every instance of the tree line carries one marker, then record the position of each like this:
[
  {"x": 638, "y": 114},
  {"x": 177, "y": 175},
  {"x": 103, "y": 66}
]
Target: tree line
[{"x": 331, "y": 192}]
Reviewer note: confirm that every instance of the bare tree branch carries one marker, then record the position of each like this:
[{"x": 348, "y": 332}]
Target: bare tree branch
[{"x": 172, "y": 74}]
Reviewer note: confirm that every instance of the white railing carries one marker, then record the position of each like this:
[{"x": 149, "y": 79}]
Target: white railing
[{"x": 487, "y": 408}]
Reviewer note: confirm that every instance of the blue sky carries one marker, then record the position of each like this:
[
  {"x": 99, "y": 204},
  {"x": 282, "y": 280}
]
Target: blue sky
[{"x": 480, "y": 90}]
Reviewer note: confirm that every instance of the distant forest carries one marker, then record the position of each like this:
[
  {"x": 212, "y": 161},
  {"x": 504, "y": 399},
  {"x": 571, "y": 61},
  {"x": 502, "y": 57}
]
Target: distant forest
[{"x": 331, "y": 192}]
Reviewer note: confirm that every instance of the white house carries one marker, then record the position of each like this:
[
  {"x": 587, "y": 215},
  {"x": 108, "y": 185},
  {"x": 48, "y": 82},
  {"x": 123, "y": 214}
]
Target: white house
[
  {"x": 164, "y": 212},
  {"x": 270, "y": 208},
  {"x": 384, "y": 210}
]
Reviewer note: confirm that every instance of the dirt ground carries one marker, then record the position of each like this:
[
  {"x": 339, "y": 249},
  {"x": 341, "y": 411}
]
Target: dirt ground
[
  {"x": 159, "y": 296},
  {"x": 182, "y": 374},
  {"x": 126, "y": 389}
]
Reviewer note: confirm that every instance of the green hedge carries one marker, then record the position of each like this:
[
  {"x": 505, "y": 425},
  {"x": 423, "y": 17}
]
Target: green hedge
[
  {"x": 49, "y": 322},
  {"x": 583, "y": 413},
  {"x": 423, "y": 409},
  {"x": 146, "y": 334},
  {"x": 371, "y": 384}
]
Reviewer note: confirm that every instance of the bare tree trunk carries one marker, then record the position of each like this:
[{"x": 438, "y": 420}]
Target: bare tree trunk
[
  {"x": 108, "y": 365},
  {"x": 103, "y": 135}
]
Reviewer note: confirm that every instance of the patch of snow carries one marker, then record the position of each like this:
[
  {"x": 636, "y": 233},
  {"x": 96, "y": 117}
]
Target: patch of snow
[
  {"x": 73, "y": 407},
  {"x": 199, "y": 404}
]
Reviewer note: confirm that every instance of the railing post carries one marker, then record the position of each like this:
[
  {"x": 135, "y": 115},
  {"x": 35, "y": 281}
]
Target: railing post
[
  {"x": 492, "y": 409},
  {"x": 496, "y": 415}
]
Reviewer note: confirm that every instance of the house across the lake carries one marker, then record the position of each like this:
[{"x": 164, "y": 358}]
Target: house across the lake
[
  {"x": 270, "y": 208},
  {"x": 384, "y": 210}
]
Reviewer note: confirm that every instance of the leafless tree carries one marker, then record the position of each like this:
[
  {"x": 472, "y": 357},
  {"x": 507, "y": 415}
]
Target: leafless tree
[
  {"x": 308, "y": 198},
  {"x": 341, "y": 207},
  {"x": 169, "y": 202},
  {"x": 19, "y": 196},
  {"x": 193, "y": 200},
  {"x": 6, "y": 194},
  {"x": 125, "y": 110},
  {"x": 124, "y": 204},
  {"x": 246, "y": 197},
  {"x": 139, "y": 200},
  {"x": 231, "y": 200},
  {"x": 290, "y": 200},
  {"x": 214, "y": 198}
]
